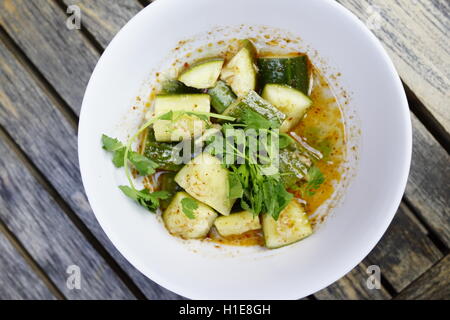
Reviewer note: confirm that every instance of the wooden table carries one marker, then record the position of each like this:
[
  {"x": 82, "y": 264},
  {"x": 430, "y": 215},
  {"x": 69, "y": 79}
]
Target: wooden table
[{"x": 46, "y": 224}]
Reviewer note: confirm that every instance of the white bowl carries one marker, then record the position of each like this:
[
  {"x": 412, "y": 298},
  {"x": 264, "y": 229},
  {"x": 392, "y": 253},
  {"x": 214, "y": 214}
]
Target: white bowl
[{"x": 196, "y": 269}]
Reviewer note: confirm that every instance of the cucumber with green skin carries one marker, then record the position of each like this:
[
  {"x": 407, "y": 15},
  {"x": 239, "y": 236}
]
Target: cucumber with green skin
[
  {"x": 253, "y": 102},
  {"x": 240, "y": 72},
  {"x": 176, "y": 87},
  {"x": 203, "y": 74},
  {"x": 288, "y": 70},
  {"x": 161, "y": 152},
  {"x": 292, "y": 225},
  {"x": 294, "y": 164},
  {"x": 186, "y": 126},
  {"x": 166, "y": 182},
  {"x": 292, "y": 102},
  {"x": 221, "y": 96}
]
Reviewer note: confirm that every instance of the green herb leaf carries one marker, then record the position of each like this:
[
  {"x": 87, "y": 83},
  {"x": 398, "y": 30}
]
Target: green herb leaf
[
  {"x": 189, "y": 206},
  {"x": 118, "y": 157},
  {"x": 111, "y": 144},
  {"x": 235, "y": 190},
  {"x": 145, "y": 198},
  {"x": 285, "y": 140},
  {"x": 314, "y": 179},
  {"x": 254, "y": 120},
  {"x": 143, "y": 165},
  {"x": 166, "y": 116}
]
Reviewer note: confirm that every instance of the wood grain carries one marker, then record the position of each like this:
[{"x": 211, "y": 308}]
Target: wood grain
[
  {"x": 415, "y": 34},
  {"x": 49, "y": 236},
  {"x": 104, "y": 18},
  {"x": 17, "y": 279},
  {"x": 353, "y": 287},
  {"x": 64, "y": 57},
  {"x": 48, "y": 140},
  {"x": 405, "y": 252},
  {"x": 428, "y": 188},
  {"x": 433, "y": 285}
]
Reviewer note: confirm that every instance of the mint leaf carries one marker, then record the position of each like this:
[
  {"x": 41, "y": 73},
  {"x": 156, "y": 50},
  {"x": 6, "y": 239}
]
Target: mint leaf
[{"x": 189, "y": 206}]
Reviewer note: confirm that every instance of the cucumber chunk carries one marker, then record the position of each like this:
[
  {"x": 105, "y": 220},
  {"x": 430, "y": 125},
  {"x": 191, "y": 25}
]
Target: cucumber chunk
[
  {"x": 221, "y": 96},
  {"x": 237, "y": 223},
  {"x": 186, "y": 126},
  {"x": 288, "y": 70},
  {"x": 202, "y": 75},
  {"x": 176, "y": 87},
  {"x": 292, "y": 225},
  {"x": 181, "y": 226},
  {"x": 253, "y": 102},
  {"x": 294, "y": 165},
  {"x": 292, "y": 102},
  {"x": 240, "y": 72},
  {"x": 161, "y": 152},
  {"x": 206, "y": 180}
]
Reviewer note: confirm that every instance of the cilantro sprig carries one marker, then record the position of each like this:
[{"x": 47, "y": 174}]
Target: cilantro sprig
[
  {"x": 314, "y": 179},
  {"x": 123, "y": 155}
]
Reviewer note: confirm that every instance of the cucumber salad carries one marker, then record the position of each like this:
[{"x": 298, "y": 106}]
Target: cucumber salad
[{"x": 228, "y": 152}]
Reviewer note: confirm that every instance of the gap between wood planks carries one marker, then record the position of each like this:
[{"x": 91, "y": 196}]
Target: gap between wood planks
[
  {"x": 427, "y": 119},
  {"x": 4, "y": 135},
  {"x": 431, "y": 234},
  {"x": 31, "y": 262},
  {"x": 416, "y": 106},
  {"x": 38, "y": 78}
]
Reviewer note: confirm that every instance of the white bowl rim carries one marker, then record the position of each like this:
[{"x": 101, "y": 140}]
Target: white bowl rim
[{"x": 321, "y": 283}]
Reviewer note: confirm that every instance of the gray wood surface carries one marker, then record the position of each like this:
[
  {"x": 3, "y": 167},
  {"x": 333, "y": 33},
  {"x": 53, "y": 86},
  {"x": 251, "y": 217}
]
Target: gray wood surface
[
  {"x": 103, "y": 19},
  {"x": 428, "y": 188},
  {"x": 415, "y": 34},
  {"x": 353, "y": 287},
  {"x": 17, "y": 279},
  {"x": 63, "y": 56},
  {"x": 54, "y": 152},
  {"x": 433, "y": 285},
  {"x": 405, "y": 252},
  {"x": 49, "y": 236}
]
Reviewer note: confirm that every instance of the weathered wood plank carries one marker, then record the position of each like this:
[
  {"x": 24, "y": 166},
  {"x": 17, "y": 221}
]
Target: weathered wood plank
[
  {"x": 49, "y": 236},
  {"x": 17, "y": 279},
  {"x": 433, "y": 285},
  {"x": 103, "y": 18},
  {"x": 405, "y": 252},
  {"x": 415, "y": 33},
  {"x": 63, "y": 56},
  {"x": 428, "y": 188},
  {"x": 24, "y": 111},
  {"x": 353, "y": 287}
]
